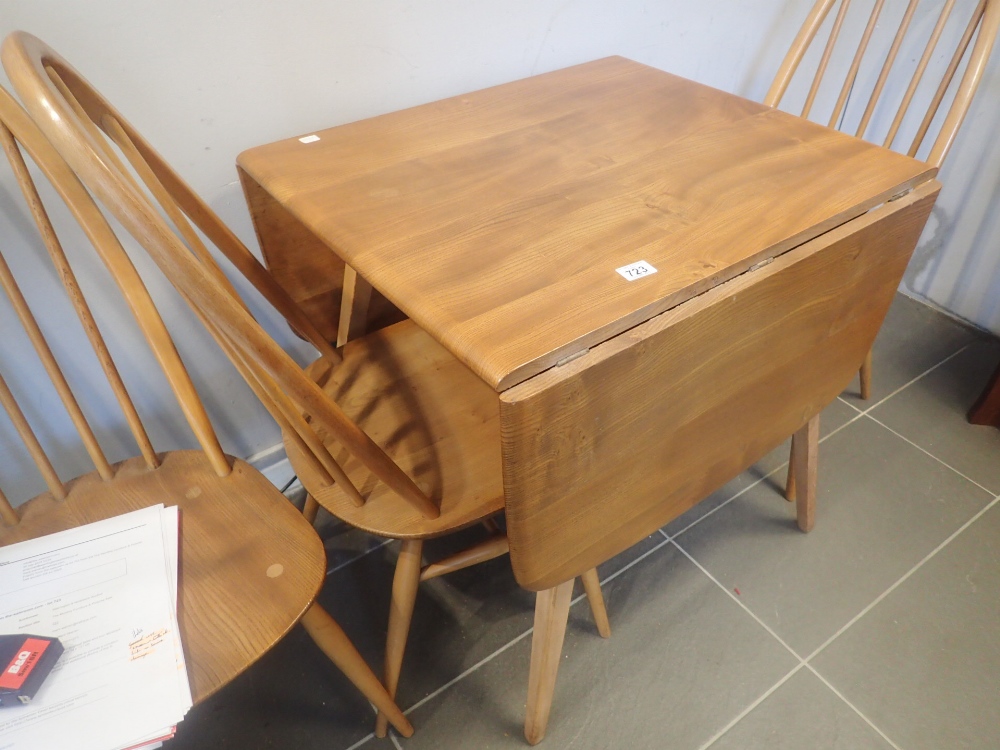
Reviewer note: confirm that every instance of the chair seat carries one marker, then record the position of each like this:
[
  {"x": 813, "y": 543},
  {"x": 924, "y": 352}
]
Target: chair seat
[
  {"x": 436, "y": 419},
  {"x": 250, "y": 564}
]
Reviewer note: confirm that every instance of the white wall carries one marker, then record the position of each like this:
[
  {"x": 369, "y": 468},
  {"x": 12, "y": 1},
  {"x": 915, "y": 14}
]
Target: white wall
[{"x": 205, "y": 80}]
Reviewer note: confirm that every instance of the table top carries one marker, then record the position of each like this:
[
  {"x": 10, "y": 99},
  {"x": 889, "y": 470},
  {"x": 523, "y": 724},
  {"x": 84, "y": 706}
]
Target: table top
[{"x": 496, "y": 220}]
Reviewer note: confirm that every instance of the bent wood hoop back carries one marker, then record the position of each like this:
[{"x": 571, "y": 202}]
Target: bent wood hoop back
[
  {"x": 235, "y": 524},
  {"x": 604, "y": 450},
  {"x": 983, "y": 24},
  {"x": 82, "y": 125}
]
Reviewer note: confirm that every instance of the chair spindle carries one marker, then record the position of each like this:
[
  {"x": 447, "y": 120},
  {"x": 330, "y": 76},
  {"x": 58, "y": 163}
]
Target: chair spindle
[
  {"x": 35, "y": 449},
  {"x": 76, "y": 297},
  {"x": 827, "y": 52},
  {"x": 883, "y": 75},
  {"x": 947, "y": 78},
  {"x": 856, "y": 62},
  {"x": 919, "y": 72}
]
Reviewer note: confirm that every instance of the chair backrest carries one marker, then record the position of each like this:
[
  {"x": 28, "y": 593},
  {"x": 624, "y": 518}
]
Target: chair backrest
[
  {"x": 985, "y": 19},
  {"x": 17, "y": 131},
  {"x": 86, "y": 131}
]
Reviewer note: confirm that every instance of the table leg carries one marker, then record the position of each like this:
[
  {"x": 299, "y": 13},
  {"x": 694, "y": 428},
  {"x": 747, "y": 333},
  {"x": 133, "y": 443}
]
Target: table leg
[
  {"x": 353, "y": 307},
  {"x": 551, "y": 616},
  {"x": 865, "y": 376},
  {"x": 790, "y": 478},
  {"x": 592, "y": 585},
  {"x": 806, "y": 456}
]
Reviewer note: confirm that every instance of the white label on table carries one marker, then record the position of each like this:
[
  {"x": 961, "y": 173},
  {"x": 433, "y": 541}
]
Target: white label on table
[
  {"x": 309, "y": 139},
  {"x": 636, "y": 270}
]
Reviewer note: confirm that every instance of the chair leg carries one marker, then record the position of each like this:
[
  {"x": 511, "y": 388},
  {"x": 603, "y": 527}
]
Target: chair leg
[
  {"x": 332, "y": 640},
  {"x": 404, "y": 594},
  {"x": 806, "y": 456},
  {"x": 310, "y": 509},
  {"x": 493, "y": 547},
  {"x": 865, "y": 374},
  {"x": 790, "y": 479},
  {"x": 551, "y": 616},
  {"x": 592, "y": 585}
]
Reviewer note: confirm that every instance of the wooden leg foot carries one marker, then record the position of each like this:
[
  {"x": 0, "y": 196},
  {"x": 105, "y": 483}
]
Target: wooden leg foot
[
  {"x": 866, "y": 376},
  {"x": 332, "y": 640},
  {"x": 551, "y": 615},
  {"x": 592, "y": 585},
  {"x": 806, "y": 456},
  {"x": 404, "y": 594}
]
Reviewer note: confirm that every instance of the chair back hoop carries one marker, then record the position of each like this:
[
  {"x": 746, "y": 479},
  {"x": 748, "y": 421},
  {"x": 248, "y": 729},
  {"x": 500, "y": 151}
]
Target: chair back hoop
[
  {"x": 42, "y": 79},
  {"x": 16, "y": 131},
  {"x": 985, "y": 20}
]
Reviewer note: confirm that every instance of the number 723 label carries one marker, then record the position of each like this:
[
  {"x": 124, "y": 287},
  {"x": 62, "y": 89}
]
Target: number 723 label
[{"x": 636, "y": 270}]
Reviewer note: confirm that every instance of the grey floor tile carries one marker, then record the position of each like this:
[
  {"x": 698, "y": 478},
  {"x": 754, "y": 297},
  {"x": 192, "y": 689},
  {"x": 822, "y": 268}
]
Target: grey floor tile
[
  {"x": 932, "y": 413},
  {"x": 295, "y": 698},
  {"x": 913, "y": 338},
  {"x": 683, "y": 660},
  {"x": 882, "y": 506},
  {"x": 802, "y": 713},
  {"x": 292, "y": 698},
  {"x": 835, "y": 416},
  {"x": 923, "y": 663}
]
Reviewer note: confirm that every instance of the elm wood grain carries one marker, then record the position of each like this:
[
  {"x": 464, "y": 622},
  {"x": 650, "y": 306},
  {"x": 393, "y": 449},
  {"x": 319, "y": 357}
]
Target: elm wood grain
[
  {"x": 655, "y": 419},
  {"x": 985, "y": 18},
  {"x": 495, "y": 219},
  {"x": 986, "y": 410},
  {"x": 250, "y": 566},
  {"x": 233, "y": 529},
  {"x": 305, "y": 267},
  {"x": 435, "y": 420}
]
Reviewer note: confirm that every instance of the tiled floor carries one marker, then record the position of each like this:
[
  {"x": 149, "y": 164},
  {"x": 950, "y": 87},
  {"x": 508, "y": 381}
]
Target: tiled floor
[{"x": 731, "y": 629}]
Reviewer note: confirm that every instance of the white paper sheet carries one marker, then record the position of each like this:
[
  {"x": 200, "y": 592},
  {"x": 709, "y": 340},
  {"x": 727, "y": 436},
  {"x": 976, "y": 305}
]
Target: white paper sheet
[{"x": 105, "y": 592}]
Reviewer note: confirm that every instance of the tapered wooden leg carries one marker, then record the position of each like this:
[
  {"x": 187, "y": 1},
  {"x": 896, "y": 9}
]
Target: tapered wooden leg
[
  {"x": 551, "y": 615},
  {"x": 790, "y": 479},
  {"x": 310, "y": 509},
  {"x": 592, "y": 585},
  {"x": 865, "y": 375},
  {"x": 332, "y": 640},
  {"x": 354, "y": 301},
  {"x": 806, "y": 456},
  {"x": 404, "y": 594}
]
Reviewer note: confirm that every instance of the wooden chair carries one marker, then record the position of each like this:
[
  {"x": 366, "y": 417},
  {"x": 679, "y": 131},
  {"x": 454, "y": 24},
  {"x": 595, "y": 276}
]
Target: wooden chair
[
  {"x": 985, "y": 18},
  {"x": 390, "y": 432},
  {"x": 250, "y": 564}
]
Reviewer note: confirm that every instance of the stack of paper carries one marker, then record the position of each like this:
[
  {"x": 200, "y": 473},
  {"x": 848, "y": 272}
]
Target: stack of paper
[{"x": 108, "y": 592}]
